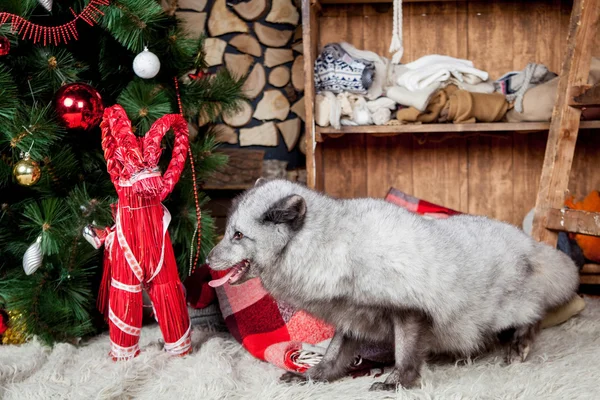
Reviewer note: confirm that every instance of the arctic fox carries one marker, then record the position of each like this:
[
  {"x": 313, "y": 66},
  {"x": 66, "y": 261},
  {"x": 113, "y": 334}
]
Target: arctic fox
[{"x": 380, "y": 273}]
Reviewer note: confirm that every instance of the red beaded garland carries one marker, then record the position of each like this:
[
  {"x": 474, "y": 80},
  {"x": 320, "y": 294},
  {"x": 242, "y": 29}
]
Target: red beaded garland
[
  {"x": 196, "y": 200},
  {"x": 54, "y": 34}
]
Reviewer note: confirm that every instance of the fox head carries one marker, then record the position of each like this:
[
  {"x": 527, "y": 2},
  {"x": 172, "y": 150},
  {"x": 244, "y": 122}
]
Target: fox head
[{"x": 261, "y": 224}]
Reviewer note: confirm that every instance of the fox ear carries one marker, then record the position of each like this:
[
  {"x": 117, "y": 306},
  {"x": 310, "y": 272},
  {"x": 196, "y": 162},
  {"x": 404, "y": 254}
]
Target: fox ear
[
  {"x": 290, "y": 210},
  {"x": 260, "y": 182}
]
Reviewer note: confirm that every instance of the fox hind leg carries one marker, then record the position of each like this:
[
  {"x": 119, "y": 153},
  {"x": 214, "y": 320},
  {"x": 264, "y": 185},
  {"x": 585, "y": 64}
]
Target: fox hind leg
[
  {"x": 408, "y": 353},
  {"x": 519, "y": 346}
]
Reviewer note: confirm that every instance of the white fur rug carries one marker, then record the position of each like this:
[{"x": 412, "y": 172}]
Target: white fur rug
[{"x": 565, "y": 364}]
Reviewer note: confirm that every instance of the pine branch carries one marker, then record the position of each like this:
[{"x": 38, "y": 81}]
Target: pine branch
[
  {"x": 52, "y": 308},
  {"x": 60, "y": 167},
  {"x": 179, "y": 54},
  {"x": 33, "y": 131},
  {"x": 144, "y": 103},
  {"x": 213, "y": 95},
  {"x": 8, "y": 97},
  {"x": 134, "y": 23},
  {"x": 5, "y": 173},
  {"x": 49, "y": 217},
  {"x": 90, "y": 209},
  {"x": 54, "y": 68},
  {"x": 114, "y": 66},
  {"x": 24, "y": 8},
  {"x": 207, "y": 160}
]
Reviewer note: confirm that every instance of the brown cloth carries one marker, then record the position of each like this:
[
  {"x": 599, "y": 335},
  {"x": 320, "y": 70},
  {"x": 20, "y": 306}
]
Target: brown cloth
[
  {"x": 433, "y": 110},
  {"x": 466, "y": 107}
]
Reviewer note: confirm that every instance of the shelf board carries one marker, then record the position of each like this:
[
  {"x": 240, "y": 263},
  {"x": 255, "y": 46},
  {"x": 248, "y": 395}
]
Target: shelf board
[
  {"x": 589, "y": 279},
  {"x": 446, "y": 128}
]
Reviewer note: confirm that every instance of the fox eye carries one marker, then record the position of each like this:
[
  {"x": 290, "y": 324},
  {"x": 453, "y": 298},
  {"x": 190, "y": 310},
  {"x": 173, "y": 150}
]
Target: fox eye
[{"x": 238, "y": 235}]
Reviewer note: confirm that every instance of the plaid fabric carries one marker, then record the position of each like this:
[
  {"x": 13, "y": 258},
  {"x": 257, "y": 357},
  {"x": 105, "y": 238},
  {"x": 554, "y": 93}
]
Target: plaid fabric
[
  {"x": 277, "y": 333},
  {"x": 418, "y": 206}
]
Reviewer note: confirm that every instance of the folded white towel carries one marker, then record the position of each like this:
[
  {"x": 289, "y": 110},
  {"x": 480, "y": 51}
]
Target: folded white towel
[
  {"x": 435, "y": 69},
  {"x": 417, "y": 99}
]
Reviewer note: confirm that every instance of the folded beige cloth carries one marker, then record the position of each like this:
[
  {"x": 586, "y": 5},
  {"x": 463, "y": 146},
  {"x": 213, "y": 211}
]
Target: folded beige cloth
[
  {"x": 431, "y": 113},
  {"x": 538, "y": 101},
  {"x": 468, "y": 107}
]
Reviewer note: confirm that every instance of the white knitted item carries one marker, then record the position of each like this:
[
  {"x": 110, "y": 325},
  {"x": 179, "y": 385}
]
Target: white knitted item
[{"x": 396, "y": 46}]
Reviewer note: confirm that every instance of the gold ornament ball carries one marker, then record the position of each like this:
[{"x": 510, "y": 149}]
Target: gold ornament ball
[
  {"x": 27, "y": 172},
  {"x": 16, "y": 333}
]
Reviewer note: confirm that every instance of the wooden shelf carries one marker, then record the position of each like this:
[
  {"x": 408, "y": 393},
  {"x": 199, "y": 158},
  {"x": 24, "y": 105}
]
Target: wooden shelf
[
  {"x": 589, "y": 279},
  {"x": 449, "y": 128}
]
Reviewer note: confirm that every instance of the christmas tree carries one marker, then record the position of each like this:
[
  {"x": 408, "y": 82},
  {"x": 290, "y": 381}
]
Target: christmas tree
[{"x": 53, "y": 177}]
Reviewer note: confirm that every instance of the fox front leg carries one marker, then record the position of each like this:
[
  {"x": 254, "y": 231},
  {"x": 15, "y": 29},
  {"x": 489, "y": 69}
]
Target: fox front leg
[
  {"x": 407, "y": 352},
  {"x": 334, "y": 364}
]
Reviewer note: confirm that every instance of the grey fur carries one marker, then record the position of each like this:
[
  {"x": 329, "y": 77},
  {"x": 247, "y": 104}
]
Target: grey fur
[{"x": 380, "y": 273}]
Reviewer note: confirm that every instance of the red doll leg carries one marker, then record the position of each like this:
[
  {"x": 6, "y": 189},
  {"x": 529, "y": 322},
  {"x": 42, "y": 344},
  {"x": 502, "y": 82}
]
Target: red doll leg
[
  {"x": 125, "y": 311},
  {"x": 168, "y": 299}
]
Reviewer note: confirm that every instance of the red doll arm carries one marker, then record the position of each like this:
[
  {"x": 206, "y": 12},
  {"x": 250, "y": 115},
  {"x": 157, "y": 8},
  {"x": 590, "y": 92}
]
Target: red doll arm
[{"x": 152, "y": 149}]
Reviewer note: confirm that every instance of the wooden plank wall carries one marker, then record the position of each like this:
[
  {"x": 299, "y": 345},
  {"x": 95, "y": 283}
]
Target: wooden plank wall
[{"x": 482, "y": 174}]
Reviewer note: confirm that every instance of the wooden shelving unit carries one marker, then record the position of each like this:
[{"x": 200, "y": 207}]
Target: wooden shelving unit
[
  {"x": 496, "y": 174},
  {"x": 325, "y": 21}
]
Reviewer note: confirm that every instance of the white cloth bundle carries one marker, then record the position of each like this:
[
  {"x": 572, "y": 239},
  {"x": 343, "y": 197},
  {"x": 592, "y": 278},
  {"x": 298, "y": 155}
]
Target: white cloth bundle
[{"x": 436, "y": 69}]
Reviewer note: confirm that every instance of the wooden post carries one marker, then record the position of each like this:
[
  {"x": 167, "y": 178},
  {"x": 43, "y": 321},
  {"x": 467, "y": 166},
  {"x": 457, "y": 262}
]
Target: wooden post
[
  {"x": 564, "y": 127},
  {"x": 310, "y": 38}
]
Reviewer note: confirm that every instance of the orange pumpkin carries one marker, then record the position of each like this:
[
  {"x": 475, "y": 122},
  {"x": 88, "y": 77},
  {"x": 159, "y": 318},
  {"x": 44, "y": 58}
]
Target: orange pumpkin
[{"x": 589, "y": 244}]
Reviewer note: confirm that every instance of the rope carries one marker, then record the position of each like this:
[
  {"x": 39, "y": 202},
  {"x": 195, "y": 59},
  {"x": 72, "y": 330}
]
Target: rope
[{"x": 396, "y": 45}]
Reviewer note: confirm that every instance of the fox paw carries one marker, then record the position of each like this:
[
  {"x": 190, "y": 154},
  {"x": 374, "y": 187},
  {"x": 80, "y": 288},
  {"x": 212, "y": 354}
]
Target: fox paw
[
  {"x": 520, "y": 345},
  {"x": 516, "y": 353},
  {"x": 292, "y": 377},
  {"x": 379, "y": 386}
]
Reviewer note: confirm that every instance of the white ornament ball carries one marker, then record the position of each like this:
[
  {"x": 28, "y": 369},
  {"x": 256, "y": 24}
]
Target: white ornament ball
[
  {"x": 32, "y": 259},
  {"x": 146, "y": 64}
]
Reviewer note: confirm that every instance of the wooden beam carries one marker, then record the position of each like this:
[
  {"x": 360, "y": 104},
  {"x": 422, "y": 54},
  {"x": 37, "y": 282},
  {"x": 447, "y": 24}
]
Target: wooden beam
[
  {"x": 590, "y": 269},
  {"x": 564, "y": 127},
  {"x": 589, "y": 279},
  {"x": 310, "y": 39},
  {"x": 584, "y": 96},
  {"x": 576, "y": 221}
]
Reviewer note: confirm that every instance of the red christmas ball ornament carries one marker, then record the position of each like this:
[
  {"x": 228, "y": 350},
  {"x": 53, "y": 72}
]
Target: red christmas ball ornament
[
  {"x": 79, "y": 106},
  {"x": 3, "y": 321},
  {"x": 4, "y": 46}
]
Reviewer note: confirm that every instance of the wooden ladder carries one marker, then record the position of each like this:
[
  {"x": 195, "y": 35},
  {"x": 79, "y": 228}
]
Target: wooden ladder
[{"x": 573, "y": 93}]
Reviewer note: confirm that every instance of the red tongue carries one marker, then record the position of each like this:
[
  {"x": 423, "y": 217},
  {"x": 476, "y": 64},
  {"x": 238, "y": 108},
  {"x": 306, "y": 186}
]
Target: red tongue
[{"x": 221, "y": 281}]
